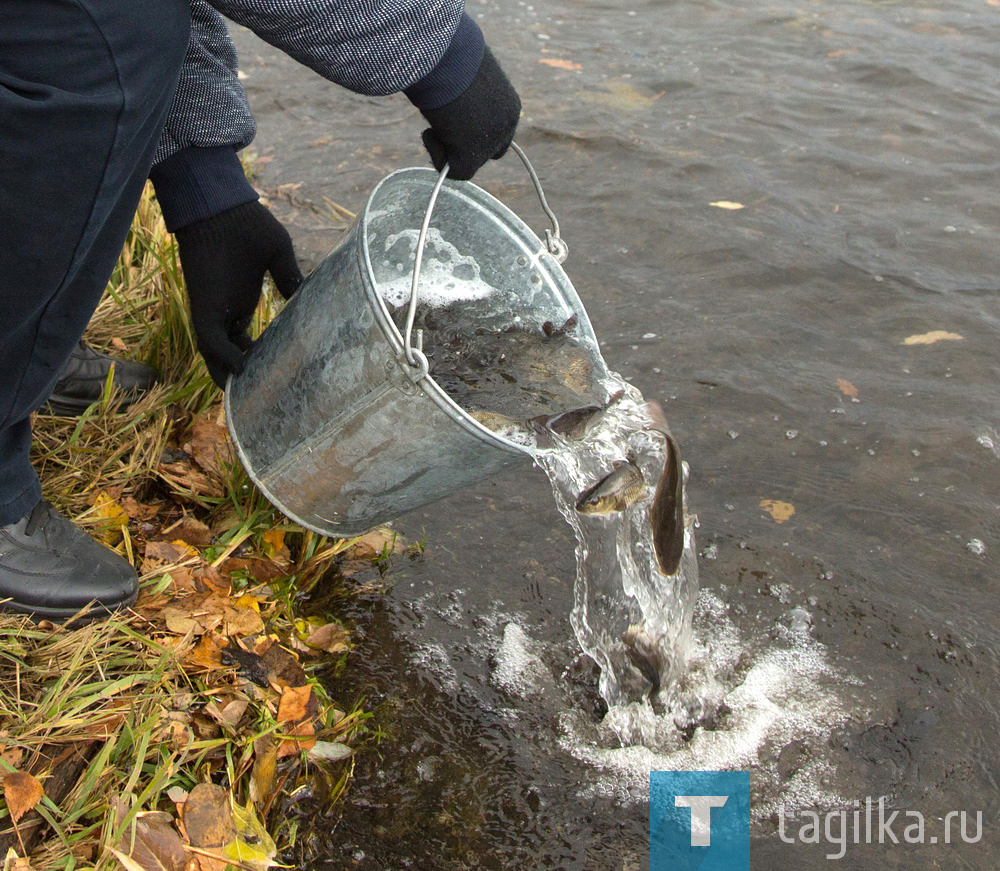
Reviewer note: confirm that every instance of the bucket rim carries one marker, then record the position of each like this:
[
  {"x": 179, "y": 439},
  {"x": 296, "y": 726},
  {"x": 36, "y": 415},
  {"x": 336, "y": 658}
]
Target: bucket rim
[{"x": 395, "y": 337}]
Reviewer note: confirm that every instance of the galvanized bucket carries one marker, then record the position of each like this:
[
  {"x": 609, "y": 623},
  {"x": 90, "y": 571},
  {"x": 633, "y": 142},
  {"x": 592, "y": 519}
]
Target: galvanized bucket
[{"x": 335, "y": 416}]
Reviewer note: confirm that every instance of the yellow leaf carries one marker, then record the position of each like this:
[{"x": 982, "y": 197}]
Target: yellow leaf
[
  {"x": 274, "y": 541},
  {"x": 847, "y": 388},
  {"x": 113, "y": 518},
  {"x": 560, "y": 64},
  {"x": 780, "y": 511},
  {"x": 932, "y": 337},
  {"x": 727, "y": 204}
]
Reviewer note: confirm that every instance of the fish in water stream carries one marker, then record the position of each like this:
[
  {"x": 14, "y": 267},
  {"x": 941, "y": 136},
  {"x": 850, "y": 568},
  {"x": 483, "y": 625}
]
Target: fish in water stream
[
  {"x": 616, "y": 491},
  {"x": 644, "y": 654}
]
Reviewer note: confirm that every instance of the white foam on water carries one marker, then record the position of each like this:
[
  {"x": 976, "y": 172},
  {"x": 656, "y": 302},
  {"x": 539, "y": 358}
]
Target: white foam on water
[
  {"x": 519, "y": 669},
  {"x": 446, "y": 275},
  {"x": 785, "y": 692}
]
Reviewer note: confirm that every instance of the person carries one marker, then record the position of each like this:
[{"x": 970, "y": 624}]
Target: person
[{"x": 98, "y": 95}]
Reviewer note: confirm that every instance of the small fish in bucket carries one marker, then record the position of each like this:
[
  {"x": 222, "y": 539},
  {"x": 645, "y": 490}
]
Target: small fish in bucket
[{"x": 341, "y": 418}]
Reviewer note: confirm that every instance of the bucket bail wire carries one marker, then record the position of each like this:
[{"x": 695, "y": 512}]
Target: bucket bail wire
[{"x": 554, "y": 244}]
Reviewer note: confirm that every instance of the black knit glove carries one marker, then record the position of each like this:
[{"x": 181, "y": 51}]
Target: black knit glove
[
  {"x": 477, "y": 125},
  {"x": 224, "y": 260}
]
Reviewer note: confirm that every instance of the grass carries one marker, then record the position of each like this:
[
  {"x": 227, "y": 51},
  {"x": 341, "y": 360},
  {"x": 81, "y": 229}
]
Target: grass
[{"x": 211, "y": 682}]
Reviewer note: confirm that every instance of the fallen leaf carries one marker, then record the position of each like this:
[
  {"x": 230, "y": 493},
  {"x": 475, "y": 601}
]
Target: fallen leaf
[
  {"x": 229, "y": 715},
  {"x": 242, "y": 619},
  {"x": 780, "y": 511},
  {"x": 727, "y": 204},
  {"x": 331, "y": 751},
  {"x": 113, "y": 518},
  {"x": 153, "y": 843},
  {"x": 165, "y": 553},
  {"x": 265, "y": 771},
  {"x": 293, "y": 703},
  {"x": 139, "y": 510},
  {"x": 207, "y": 653},
  {"x": 12, "y": 756},
  {"x": 274, "y": 541},
  {"x": 560, "y": 64},
  {"x": 283, "y": 668},
  {"x": 13, "y": 862},
  {"x": 177, "y": 794},
  {"x": 22, "y": 792},
  {"x": 298, "y": 738},
  {"x": 210, "y": 447},
  {"x": 381, "y": 540},
  {"x": 191, "y": 531},
  {"x": 253, "y": 847},
  {"x": 208, "y": 817},
  {"x": 847, "y": 388},
  {"x": 330, "y": 637},
  {"x": 186, "y": 480},
  {"x": 932, "y": 337}
]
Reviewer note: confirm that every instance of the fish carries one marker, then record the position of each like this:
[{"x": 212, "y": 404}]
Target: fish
[
  {"x": 495, "y": 421},
  {"x": 572, "y": 424},
  {"x": 616, "y": 491},
  {"x": 644, "y": 654},
  {"x": 666, "y": 514}
]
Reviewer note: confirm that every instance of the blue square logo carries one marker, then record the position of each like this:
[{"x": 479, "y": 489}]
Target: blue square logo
[{"x": 699, "y": 820}]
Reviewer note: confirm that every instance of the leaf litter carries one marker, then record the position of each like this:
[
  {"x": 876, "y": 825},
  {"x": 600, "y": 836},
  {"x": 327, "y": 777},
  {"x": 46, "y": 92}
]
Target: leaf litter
[{"x": 167, "y": 734}]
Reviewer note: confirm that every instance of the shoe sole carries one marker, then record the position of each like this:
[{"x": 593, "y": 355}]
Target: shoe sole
[{"x": 72, "y": 616}]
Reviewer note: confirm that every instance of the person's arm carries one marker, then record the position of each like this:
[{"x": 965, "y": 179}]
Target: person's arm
[{"x": 432, "y": 51}]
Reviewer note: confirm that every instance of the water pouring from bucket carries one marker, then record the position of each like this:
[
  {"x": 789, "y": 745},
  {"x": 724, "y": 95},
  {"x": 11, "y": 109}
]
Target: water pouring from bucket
[{"x": 424, "y": 354}]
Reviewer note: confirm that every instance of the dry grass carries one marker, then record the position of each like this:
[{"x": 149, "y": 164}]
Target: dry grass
[{"x": 141, "y": 709}]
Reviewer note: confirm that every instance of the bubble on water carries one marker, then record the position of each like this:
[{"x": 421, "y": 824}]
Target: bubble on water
[
  {"x": 799, "y": 619},
  {"x": 446, "y": 275},
  {"x": 976, "y": 546},
  {"x": 649, "y": 335},
  {"x": 519, "y": 669},
  {"x": 711, "y": 552},
  {"x": 733, "y": 434},
  {"x": 791, "y": 434},
  {"x": 989, "y": 441}
]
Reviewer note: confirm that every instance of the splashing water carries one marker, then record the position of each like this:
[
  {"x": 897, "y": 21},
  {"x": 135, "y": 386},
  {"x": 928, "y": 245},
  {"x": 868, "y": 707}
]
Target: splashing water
[{"x": 619, "y": 583}]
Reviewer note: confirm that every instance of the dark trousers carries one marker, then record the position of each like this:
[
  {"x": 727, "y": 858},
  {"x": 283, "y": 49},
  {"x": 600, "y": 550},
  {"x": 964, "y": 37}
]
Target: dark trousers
[{"x": 85, "y": 86}]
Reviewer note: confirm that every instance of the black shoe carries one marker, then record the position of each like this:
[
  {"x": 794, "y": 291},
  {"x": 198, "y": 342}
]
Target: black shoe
[
  {"x": 52, "y": 569},
  {"x": 83, "y": 378}
]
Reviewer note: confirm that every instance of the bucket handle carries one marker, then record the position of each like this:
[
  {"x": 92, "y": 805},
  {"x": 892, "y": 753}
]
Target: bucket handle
[{"x": 554, "y": 244}]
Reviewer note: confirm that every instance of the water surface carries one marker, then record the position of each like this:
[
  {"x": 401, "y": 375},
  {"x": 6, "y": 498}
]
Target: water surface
[{"x": 861, "y": 139}]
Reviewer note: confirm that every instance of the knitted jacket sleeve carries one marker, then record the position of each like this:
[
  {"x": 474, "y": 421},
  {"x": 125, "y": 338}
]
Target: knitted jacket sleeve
[{"x": 368, "y": 46}]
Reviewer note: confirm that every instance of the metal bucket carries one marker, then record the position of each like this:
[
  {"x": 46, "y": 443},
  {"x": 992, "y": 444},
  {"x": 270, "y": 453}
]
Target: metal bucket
[{"x": 335, "y": 416}]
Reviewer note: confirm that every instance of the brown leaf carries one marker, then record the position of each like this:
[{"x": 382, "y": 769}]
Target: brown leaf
[
  {"x": 13, "y": 862},
  {"x": 559, "y": 63},
  {"x": 283, "y": 668},
  {"x": 138, "y": 510},
  {"x": 192, "y": 531},
  {"x": 21, "y": 792},
  {"x": 230, "y": 715},
  {"x": 208, "y": 817},
  {"x": 166, "y": 553},
  {"x": 184, "y": 478},
  {"x": 302, "y": 736},
  {"x": 293, "y": 704},
  {"x": 331, "y": 637},
  {"x": 153, "y": 843},
  {"x": 263, "y": 571},
  {"x": 210, "y": 447},
  {"x": 847, "y": 388}
]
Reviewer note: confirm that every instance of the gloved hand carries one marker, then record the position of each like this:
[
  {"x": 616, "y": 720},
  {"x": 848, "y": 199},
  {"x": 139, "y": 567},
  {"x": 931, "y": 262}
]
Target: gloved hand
[
  {"x": 224, "y": 259},
  {"x": 477, "y": 125}
]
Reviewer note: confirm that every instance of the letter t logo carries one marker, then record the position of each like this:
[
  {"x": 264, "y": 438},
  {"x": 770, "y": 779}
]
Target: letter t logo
[{"x": 701, "y": 815}]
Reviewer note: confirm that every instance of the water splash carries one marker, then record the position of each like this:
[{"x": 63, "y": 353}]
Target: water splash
[{"x": 619, "y": 588}]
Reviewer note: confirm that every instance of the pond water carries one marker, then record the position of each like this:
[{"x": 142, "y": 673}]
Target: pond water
[{"x": 846, "y": 482}]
